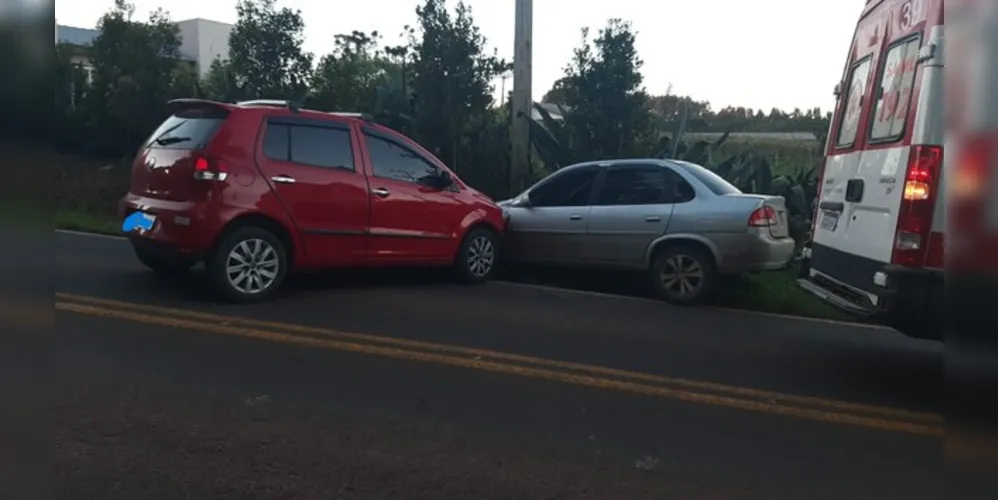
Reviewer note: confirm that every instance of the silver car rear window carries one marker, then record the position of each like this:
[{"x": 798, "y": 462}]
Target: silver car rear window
[{"x": 714, "y": 182}]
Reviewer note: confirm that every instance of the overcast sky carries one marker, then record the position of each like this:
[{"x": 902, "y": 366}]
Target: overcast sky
[{"x": 758, "y": 53}]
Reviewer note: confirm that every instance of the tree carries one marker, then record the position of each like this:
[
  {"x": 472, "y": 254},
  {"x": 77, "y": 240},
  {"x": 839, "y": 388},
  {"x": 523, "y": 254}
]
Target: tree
[
  {"x": 667, "y": 110},
  {"x": 394, "y": 106},
  {"x": 265, "y": 50},
  {"x": 609, "y": 116},
  {"x": 70, "y": 88},
  {"x": 350, "y": 78},
  {"x": 221, "y": 82},
  {"x": 557, "y": 93},
  {"x": 452, "y": 75},
  {"x": 135, "y": 71}
]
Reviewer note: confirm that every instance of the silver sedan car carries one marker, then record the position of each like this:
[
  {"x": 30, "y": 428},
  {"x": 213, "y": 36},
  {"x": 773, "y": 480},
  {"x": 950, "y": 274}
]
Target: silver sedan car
[{"x": 679, "y": 221}]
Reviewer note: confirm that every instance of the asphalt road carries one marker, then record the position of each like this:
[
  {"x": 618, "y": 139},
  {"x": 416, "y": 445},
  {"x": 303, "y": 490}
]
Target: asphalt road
[{"x": 401, "y": 385}]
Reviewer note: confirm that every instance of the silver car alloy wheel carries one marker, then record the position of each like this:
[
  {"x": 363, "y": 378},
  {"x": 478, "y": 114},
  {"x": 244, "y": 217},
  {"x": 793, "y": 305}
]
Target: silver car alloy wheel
[
  {"x": 481, "y": 256},
  {"x": 252, "y": 266},
  {"x": 682, "y": 275}
]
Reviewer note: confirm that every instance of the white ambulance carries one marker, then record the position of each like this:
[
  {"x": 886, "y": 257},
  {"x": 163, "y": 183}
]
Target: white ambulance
[{"x": 876, "y": 249}]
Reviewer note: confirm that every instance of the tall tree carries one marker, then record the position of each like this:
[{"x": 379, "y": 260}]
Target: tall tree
[
  {"x": 667, "y": 110},
  {"x": 452, "y": 80},
  {"x": 265, "y": 50},
  {"x": 609, "y": 115},
  {"x": 349, "y": 78},
  {"x": 70, "y": 88},
  {"x": 221, "y": 83},
  {"x": 394, "y": 106},
  {"x": 556, "y": 95},
  {"x": 135, "y": 72}
]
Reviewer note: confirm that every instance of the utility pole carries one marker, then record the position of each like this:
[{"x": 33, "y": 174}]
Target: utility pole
[{"x": 522, "y": 103}]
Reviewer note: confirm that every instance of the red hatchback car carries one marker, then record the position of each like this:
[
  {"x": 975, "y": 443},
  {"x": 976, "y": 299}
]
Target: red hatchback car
[{"x": 260, "y": 188}]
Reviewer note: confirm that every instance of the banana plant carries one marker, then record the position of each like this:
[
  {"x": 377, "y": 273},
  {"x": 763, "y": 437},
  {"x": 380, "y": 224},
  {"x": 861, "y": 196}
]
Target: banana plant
[
  {"x": 674, "y": 147},
  {"x": 752, "y": 173},
  {"x": 551, "y": 139},
  {"x": 748, "y": 171}
]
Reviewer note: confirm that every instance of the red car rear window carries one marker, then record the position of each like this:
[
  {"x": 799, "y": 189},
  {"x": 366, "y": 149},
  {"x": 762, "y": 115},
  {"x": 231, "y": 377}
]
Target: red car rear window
[{"x": 187, "y": 129}]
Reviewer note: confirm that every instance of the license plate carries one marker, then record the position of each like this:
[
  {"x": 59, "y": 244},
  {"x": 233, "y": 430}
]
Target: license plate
[
  {"x": 829, "y": 221},
  {"x": 138, "y": 221}
]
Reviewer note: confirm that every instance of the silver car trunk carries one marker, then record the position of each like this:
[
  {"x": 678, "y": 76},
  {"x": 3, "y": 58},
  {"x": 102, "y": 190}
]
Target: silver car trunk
[{"x": 777, "y": 203}]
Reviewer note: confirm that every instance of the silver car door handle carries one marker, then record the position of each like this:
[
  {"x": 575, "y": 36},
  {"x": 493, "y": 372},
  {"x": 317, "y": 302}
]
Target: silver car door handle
[
  {"x": 380, "y": 192},
  {"x": 653, "y": 218},
  {"x": 575, "y": 217},
  {"x": 283, "y": 179}
]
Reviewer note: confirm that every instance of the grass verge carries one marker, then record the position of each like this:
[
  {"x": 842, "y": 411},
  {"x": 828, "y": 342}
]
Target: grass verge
[
  {"x": 777, "y": 292},
  {"x": 774, "y": 292},
  {"x": 88, "y": 223}
]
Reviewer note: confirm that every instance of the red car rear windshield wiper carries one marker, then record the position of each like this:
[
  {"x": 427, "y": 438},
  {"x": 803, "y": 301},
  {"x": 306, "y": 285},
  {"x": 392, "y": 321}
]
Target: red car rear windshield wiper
[{"x": 166, "y": 141}]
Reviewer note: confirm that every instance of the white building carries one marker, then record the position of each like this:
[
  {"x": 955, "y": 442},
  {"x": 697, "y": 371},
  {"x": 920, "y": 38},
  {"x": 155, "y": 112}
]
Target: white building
[{"x": 201, "y": 41}]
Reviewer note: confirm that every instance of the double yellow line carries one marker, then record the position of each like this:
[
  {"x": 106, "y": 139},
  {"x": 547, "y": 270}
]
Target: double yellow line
[{"x": 693, "y": 391}]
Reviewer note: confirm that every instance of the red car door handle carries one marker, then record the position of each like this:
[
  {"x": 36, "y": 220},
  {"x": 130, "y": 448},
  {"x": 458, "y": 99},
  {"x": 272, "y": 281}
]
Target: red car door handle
[{"x": 380, "y": 192}]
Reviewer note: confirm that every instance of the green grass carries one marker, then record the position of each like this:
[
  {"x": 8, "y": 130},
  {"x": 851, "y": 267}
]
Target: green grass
[
  {"x": 88, "y": 223},
  {"x": 777, "y": 292}
]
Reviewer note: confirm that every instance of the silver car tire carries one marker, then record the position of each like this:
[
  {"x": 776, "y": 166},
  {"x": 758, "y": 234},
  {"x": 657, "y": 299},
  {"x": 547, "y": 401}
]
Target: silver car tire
[{"x": 683, "y": 275}]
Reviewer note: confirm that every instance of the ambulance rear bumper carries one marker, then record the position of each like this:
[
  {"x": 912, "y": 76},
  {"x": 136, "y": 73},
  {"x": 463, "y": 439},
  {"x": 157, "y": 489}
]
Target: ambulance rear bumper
[{"x": 907, "y": 299}]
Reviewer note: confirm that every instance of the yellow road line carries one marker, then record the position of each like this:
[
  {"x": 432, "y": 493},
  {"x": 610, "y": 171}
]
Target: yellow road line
[
  {"x": 770, "y": 396},
  {"x": 509, "y": 369}
]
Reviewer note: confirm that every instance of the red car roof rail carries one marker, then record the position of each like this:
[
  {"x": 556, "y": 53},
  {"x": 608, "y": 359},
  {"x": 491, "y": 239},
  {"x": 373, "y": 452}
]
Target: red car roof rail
[
  {"x": 293, "y": 106},
  {"x": 274, "y": 103},
  {"x": 367, "y": 117}
]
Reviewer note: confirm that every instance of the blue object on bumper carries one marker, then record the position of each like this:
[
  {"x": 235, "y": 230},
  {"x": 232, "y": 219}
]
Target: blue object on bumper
[{"x": 139, "y": 221}]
